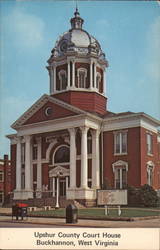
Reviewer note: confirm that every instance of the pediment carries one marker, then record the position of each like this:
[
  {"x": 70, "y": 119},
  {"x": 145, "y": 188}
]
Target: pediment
[
  {"x": 59, "y": 171},
  {"x": 38, "y": 111}
]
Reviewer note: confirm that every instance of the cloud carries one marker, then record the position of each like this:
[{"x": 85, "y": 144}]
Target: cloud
[{"x": 27, "y": 30}]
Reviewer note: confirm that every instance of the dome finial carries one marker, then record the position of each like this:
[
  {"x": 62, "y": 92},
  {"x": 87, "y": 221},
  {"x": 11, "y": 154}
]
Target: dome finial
[
  {"x": 76, "y": 13},
  {"x": 76, "y": 21}
]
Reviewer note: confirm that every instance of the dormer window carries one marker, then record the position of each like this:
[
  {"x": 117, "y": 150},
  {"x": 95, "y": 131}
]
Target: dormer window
[
  {"x": 82, "y": 74},
  {"x": 63, "y": 79},
  {"x": 98, "y": 80}
]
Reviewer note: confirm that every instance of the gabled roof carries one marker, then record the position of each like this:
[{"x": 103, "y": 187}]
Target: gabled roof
[{"x": 39, "y": 104}]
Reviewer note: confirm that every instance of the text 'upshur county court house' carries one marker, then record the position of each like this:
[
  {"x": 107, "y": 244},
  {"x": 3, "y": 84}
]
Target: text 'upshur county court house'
[{"x": 70, "y": 141}]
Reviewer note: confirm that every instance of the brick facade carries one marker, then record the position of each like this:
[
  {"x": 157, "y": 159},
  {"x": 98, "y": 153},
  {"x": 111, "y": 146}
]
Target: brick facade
[
  {"x": 92, "y": 102},
  {"x": 5, "y": 179}
]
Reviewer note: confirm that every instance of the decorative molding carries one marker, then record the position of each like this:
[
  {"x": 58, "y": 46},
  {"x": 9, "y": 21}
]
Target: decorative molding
[
  {"x": 51, "y": 145},
  {"x": 130, "y": 121},
  {"x": 120, "y": 163},
  {"x": 59, "y": 169},
  {"x": 150, "y": 164}
]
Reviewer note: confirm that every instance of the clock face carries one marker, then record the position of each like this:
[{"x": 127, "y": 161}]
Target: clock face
[{"x": 63, "y": 46}]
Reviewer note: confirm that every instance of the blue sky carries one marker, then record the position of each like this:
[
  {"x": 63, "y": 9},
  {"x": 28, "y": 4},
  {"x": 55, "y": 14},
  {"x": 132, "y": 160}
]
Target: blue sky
[{"x": 128, "y": 32}]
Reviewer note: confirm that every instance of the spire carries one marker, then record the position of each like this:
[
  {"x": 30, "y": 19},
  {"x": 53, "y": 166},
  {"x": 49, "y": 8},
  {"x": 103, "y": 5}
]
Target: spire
[{"x": 76, "y": 21}]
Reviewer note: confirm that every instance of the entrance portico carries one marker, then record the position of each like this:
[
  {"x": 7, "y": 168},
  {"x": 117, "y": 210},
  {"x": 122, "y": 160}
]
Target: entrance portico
[{"x": 69, "y": 183}]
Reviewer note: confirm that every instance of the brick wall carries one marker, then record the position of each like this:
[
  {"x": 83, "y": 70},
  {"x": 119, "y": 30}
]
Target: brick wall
[{"x": 92, "y": 102}]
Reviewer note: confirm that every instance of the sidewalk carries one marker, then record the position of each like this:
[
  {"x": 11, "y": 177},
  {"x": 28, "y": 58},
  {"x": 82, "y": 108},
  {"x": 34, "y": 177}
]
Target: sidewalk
[{"x": 152, "y": 223}]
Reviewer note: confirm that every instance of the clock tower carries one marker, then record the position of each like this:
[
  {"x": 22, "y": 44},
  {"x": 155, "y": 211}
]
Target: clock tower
[{"x": 77, "y": 69}]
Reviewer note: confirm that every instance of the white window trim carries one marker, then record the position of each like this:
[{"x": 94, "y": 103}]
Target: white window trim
[
  {"x": 150, "y": 167},
  {"x": 60, "y": 73},
  {"x": 150, "y": 144},
  {"x": 115, "y": 134},
  {"x": 53, "y": 161},
  {"x": 119, "y": 165},
  {"x": 85, "y": 76},
  {"x": 2, "y": 176},
  {"x": 98, "y": 74}
]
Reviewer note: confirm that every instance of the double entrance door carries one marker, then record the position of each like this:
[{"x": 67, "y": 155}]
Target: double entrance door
[{"x": 60, "y": 185}]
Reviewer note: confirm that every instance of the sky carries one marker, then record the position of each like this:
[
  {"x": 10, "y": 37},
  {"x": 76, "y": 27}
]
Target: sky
[{"x": 128, "y": 32}]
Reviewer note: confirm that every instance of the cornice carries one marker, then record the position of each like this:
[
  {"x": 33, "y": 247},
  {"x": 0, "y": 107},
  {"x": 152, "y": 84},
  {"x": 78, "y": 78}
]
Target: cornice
[{"x": 131, "y": 120}]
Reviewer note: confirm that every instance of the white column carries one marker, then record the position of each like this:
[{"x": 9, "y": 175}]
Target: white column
[
  {"x": 57, "y": 195},
  {"x": 68, "y": 83},
  {"x": 72, "y": 158},
  {"x": 73, "y": 73},
  {"x": 39, "y": 164},
  {"x": 91, "y": 75},
  {"x": 27, "y": 162},
  {"x": 84, "y": 158},
  {"x": 95, "y": 71},
  {"x": 104, "y": 81},
  {"x": 53, "y": 186},
  {"x": 18, "y": 164},
  {"x": 120, "y": 178},
  {"x": 54, "y": 78},
  {"x": 95, "y": 159},
  {"x": 67, "y": 182},
  {"x": 51, "y": 80}
]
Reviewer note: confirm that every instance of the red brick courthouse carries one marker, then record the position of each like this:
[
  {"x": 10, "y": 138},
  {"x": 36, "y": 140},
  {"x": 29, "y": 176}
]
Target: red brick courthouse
[{"x": 70, "y": 137}]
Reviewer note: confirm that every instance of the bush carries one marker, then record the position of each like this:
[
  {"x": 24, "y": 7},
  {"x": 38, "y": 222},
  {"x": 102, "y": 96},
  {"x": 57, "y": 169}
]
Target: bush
[
  {"x": 142, "y": 196},
  {"x": 148, "y": 196},
  {"x": 133, "y": 197}
]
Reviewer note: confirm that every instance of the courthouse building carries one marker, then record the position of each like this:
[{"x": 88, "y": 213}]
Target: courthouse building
[{"x": 70, "y": 140}]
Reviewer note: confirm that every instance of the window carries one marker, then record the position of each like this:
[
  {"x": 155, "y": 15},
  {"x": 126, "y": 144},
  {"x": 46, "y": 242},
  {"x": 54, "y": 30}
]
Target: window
[
  {"x": 98, "y": 80},
  {"x": 1, "y": 176},
  {"x": 120, "y": 169},
  {"x": 62, "y": 155},
  {"x": 120, "y": 142},
  {"x": 1, "y": 197},
  {"x": 63, "y": 79},
  {"x": 150, "y": 168},
  {"x": 149, "y": 144},
  {"x": 34, "y": 152},
  {"x": 82, "y": 74},
  {"x": 120, "y": 178}
]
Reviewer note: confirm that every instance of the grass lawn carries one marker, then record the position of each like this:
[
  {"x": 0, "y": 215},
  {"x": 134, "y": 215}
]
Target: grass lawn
[{"x": 100, "y": 213}]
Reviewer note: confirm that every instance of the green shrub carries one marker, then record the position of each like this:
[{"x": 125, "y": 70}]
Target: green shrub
[
  {"x": 148, "y": 196},
  {"x": 143, "y": 196}
]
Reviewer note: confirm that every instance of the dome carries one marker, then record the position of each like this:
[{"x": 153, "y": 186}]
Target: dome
[{"x": 77, "y": 40}]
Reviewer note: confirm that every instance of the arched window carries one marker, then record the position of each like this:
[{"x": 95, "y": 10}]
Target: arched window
[
  {"x": 82, "y": 74},
  {"x": 63, "y": 79},
  {"x": 150, "y": 169},
  {"x": 120, "y": 169},
  {"x": 62, "y": 155},
  {"x": 98, "y": 80}
]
